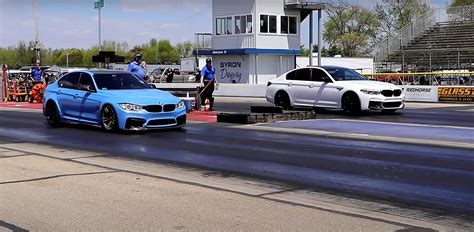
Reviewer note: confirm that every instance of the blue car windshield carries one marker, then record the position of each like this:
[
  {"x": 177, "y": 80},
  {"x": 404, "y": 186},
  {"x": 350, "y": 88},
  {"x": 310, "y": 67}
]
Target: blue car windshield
[
  {"x": 118, "y": 81},
  {"x": 344, "y": 74}
]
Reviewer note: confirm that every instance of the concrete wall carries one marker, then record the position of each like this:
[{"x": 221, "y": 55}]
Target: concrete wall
[
  {"x": 272, "y": 66},
  {"x": 366, "y": 65},
  {"x": 150, "y": 67},
  {"x": 225, "y": 89}
]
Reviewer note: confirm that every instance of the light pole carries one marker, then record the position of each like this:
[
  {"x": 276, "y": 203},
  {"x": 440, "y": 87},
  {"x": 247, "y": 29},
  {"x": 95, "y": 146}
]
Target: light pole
[
  {"x": 98, "y": 4},
  {"x": 37, "y": 42},
  {"x": 67, "y": 59}
]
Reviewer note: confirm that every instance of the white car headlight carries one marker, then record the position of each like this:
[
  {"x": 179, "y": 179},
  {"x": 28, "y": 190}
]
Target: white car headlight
[
  {"x": 370, "y": 91},
  {"x": 130, "y": 107},
  {"x": 180, "y": 105}
]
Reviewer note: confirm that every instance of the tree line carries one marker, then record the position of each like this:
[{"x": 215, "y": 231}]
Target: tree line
[{"x": 155, "y": 51}]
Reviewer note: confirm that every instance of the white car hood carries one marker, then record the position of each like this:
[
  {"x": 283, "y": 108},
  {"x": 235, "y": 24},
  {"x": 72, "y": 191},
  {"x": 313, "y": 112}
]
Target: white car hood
[{"x": 371, "y": 85}]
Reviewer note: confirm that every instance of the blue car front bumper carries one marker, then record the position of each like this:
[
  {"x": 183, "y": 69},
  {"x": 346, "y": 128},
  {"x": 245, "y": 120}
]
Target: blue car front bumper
[{"x": 143, "y": 120}]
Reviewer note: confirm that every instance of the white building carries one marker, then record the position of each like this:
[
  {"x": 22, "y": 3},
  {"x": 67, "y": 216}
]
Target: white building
[{"x": 254, "y": 41}]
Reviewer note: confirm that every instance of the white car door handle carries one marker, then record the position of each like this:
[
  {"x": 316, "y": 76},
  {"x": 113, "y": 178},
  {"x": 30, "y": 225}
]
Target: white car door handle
[
  {"x": 312, "y": 86},
  {"x": 290, "y": 84}
]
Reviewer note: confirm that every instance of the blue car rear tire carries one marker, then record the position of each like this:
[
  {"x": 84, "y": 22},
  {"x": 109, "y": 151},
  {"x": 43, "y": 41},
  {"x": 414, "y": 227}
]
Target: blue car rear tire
[{"x": 52, "y": 114}]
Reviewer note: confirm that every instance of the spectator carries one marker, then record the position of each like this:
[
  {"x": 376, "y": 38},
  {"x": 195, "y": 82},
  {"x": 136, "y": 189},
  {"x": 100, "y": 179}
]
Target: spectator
[
  {"x": 135, "y": 68},
  {"x": 197, "y": 74},
  {"x": 144, "y": 66},
  {"x": 169, "y": 73}
]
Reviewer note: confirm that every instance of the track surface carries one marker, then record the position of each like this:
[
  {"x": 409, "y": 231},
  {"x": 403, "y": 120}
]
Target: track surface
[{"x": 434, "y": 175}]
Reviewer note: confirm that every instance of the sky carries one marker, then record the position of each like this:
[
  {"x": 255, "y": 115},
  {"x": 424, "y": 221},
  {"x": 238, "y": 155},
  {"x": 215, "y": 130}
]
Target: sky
[{"x": 74, "y": 23}]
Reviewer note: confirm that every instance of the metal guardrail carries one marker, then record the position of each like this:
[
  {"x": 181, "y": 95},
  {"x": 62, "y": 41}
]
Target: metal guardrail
[
  {"x": 418, "y": 26},
  {"x": 425, "y": 78},
  {"x": 202, "y": 40},
  {"x": 305, "y": 1}
]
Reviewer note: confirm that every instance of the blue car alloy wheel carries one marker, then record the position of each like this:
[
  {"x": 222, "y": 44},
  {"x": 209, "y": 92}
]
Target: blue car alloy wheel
[{"x": 109, "y": 118}]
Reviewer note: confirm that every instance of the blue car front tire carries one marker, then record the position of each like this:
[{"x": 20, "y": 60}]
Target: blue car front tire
[{"x": 108, "y": 118}]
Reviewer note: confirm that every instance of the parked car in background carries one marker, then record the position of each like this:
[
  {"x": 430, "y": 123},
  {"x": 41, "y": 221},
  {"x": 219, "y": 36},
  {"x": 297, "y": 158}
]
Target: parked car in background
[
  {"x": 114, "y": 100},
  {"x": 333, "y": 87}
]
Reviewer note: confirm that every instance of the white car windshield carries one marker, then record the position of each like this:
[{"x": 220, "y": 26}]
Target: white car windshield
[{"x": 344, "y": 74}]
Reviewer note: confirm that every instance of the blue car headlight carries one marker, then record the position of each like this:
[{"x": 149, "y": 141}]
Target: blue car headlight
[
  {"x": 371, "y": 92},
  {"x": 180, "y": 105},
  {"x": 130, "y": 107}
]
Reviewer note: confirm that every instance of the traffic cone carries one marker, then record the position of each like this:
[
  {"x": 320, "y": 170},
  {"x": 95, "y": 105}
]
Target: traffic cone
[{"x": 207, "y": 103}]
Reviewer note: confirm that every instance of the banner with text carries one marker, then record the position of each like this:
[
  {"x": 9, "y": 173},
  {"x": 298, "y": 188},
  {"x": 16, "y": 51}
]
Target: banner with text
[
  {"x": 421, "y": 93},
  {"x": 232, "y": 69},
  {"x": 456, "y": 94}
]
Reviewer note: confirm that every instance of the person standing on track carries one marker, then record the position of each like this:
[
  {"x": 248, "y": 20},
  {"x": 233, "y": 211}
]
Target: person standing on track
[{"x": 208, "y": 82}]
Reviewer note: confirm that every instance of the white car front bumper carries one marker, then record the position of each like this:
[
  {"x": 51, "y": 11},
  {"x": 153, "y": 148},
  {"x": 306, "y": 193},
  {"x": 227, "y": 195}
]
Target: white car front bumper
[{"x": 384, "y": 103}]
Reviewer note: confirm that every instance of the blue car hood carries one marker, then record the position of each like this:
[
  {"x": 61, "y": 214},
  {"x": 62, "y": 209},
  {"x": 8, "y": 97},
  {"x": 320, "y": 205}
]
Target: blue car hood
[{"x": 140, "y": 96}]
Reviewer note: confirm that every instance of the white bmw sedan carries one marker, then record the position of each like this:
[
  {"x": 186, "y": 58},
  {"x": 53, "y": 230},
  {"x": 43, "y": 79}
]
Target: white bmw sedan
[{"x": 333, "y": 87}]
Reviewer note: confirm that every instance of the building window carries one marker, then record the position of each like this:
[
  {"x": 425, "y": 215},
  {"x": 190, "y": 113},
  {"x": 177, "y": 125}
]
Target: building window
[
  {"x": 238, "y": 26},
  {"x": 289, "y": 25},
  {"x": 263, "y": 23},
  {"x": 284, "y": 25},
  {"x": 229, "y": 25},
  {"x": 224, "y": 26},
  {"x": 273, "y": 24},
  {"x": 249, "y": 24},
  {"x": 268, "y": 24},
  {"x": 293, "y": 25},
  {"x": 243, "y": 24}
]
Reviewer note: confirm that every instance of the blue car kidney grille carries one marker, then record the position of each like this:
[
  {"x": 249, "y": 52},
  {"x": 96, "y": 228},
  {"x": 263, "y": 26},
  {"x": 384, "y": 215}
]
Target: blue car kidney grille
[
  {"x": 153, "y": 108},
  {"x": 169, "y": 107}
]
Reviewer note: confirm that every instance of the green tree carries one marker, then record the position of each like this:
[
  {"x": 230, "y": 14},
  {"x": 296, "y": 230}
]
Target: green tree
[
  {"x": 167, "y": 54},
  {"x": 87, "y": 57},
  {"x": 455, "y": 3},
  {"x": 8, "y": 56},
  {"x": 396, "y": 14},
  {"x": 350, "y": 27},
  {"x": 120, "y": 48},
  {"x": 185, "y": 49},
  {"x": 75, "y": 57},
  {"x": 24, "y": 54},
  {"x": 461, "y": 10},
  {"x": 304, "y": 51}
]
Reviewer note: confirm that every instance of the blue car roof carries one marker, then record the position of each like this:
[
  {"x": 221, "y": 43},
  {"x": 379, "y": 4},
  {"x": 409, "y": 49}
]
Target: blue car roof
[{"x": 106, "y": 71}]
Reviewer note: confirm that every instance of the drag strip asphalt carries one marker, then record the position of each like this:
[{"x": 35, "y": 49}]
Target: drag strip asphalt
[{"x": 422, "y": 174}]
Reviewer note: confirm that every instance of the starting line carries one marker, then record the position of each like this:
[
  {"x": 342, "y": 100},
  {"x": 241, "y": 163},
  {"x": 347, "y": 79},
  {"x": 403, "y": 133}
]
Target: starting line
[{"x": 200, "y": 116}]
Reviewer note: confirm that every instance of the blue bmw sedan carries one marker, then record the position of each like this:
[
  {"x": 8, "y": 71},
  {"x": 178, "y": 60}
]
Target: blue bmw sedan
[{"x": 114, "y": 100}]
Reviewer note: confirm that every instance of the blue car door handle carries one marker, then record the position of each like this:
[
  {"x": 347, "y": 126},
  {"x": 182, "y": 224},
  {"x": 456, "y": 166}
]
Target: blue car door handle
[{"x": 59, "y": 92}]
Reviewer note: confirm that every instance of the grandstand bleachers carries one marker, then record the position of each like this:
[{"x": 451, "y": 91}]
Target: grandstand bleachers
[
  {"x": 444, "y": 46},
  {"x": 441, "y": 45}
]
